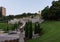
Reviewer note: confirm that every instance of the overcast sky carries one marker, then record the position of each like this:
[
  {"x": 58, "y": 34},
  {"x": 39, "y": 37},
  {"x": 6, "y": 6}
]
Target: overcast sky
[{"x": 14, "y": 7}]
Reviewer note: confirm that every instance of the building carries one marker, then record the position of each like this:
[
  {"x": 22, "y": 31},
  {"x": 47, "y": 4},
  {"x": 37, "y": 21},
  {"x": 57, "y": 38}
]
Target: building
[
  {"x": 39, "y": 12},
  {"x": 2, "y": 11}
]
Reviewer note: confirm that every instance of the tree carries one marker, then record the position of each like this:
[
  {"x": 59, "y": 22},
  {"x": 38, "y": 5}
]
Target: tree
[
  {"x": 10, "y": 17},
  {"x": 0, "y": 14},
  {"x": 39, "y": 29},
  {"x": 45, "y": 13},
  {"x": 15, "y": 26},
  {"x": 26, "y": 30},
  {"x": 35, "y": 30},
  {"x": 30, "y": 30},
  {"x": 55, "y": 10},
  {"x": 52, "y": 13}
]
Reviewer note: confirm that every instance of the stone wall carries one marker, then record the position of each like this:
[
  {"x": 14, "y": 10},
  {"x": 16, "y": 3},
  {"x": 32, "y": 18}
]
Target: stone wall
[{"x": 15, "y": 40}]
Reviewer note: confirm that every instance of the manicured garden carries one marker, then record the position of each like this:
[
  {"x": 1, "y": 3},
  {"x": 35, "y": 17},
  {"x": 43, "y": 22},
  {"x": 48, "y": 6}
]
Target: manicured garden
[
  {"x": 51, "y": 31},
  {"x": 4, "y": 26}
]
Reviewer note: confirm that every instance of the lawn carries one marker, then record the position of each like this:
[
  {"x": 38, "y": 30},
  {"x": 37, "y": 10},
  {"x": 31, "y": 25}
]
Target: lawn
[
  {"x": 3, "y": 26},
  {"x": 51, "y": 31}
]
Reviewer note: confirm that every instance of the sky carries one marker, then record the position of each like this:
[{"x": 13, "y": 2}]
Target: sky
[{"x": 14, "y": 7}]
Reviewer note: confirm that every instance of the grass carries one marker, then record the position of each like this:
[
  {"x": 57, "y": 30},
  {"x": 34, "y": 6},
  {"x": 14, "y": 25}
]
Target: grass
[
  {"x": 51, "y": 31},
  {"x": 3, "y": 26}
]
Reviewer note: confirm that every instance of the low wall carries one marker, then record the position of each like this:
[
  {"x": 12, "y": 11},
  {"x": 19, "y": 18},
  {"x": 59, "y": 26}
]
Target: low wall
[{"x": 15, "y": 40}]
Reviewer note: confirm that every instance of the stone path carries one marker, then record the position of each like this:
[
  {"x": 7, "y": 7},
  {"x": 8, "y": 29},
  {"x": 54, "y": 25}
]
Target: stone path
[
  {"x": 5, "y": 36},
  {"x": 21, "y": 38}
]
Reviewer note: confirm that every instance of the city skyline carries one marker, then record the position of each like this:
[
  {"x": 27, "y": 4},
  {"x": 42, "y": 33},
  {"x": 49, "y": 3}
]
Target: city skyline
[{"x": 14, "y": 7}]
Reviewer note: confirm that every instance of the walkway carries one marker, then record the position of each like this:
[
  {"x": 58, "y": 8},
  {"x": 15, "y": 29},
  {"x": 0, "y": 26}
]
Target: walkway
[{"x": 5, "y": 36}]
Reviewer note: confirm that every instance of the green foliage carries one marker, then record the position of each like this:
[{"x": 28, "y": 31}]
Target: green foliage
[
  {"x": 51, "y": 32},
  {"x": 45, "y": 12},
  {"x": 5, "y": 26},
  {"x": 11, "y": 17},
  {"x": 30, "y": 30},
  {"x": 26, "y": 30},
  {"x": 0, "y": 14},
  {"x": 15, "y": 26},
  {"x": 5, "y": 19},
  {"x": 37, "y": 28},
  {"x": 52, "y": 13},
  {"x": 25, "y": 15}
]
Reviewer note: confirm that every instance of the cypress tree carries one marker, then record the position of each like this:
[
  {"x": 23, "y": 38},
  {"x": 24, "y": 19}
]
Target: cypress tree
[
  {"x": 35, "y": 30},
  {"x": 30, "y": 30},
  {"x": 39, "y": 29},
  {"x": 26, "y": 30}
]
